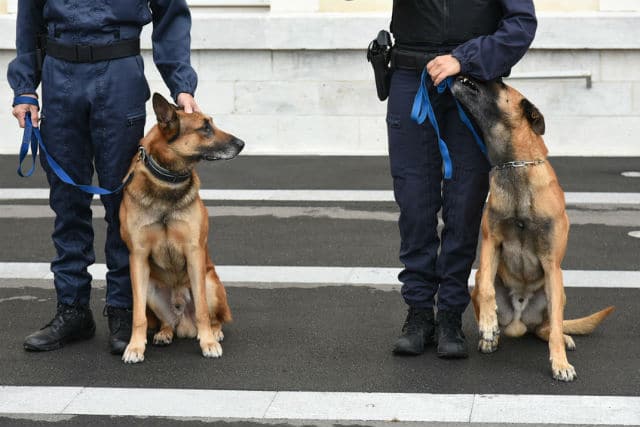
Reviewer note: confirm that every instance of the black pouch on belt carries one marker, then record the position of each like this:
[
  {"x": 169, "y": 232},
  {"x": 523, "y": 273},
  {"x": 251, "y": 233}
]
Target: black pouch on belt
[{"x": 379, "y": 55}]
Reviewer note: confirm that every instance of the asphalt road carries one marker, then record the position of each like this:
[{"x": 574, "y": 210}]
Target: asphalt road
[{"x": 329, "y": 339}]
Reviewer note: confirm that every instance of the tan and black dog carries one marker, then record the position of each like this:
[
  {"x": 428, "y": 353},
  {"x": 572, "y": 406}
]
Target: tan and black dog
[
  {"x": 165, "y": 226},
  {"x": 524, "y": 229}
]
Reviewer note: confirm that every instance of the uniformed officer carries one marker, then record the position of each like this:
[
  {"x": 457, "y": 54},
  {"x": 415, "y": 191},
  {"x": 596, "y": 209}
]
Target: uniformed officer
[
  {"x": 478, "y": 38},
  {"x": 93, "y": 95}
]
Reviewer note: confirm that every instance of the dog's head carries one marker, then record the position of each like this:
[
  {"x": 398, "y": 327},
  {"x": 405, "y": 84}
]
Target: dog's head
[
  {"x": 193, "y": 137},
  {"x": 498, "y": 109}
]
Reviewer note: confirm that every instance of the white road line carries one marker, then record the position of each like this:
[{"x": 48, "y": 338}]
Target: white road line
[
  {"x": 328, "y": 196},
  {"x": 328, "y": 275},
  {"x": 266, "y": 405}
]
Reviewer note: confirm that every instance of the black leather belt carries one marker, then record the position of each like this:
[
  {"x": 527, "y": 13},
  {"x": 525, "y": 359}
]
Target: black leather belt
[
  {"x": 410, "y": 60},
  {"x": 92, "y": 53}
]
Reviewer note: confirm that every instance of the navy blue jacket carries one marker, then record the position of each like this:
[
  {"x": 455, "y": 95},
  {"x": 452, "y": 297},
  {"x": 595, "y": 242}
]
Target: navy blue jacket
[
  {"x": 82, "y": 21},
  {"x": 492, "y": 56}
]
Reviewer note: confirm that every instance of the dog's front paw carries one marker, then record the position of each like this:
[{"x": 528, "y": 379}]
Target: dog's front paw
[
  {"x": 211, "y": 350},
  {"x": 563, "y": 371},
  {"x": 133, "y": 354},
  {"x": 489, "y": 333}
]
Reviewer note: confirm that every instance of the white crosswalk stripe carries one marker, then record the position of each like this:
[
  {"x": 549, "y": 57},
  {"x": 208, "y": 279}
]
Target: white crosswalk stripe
[{"x": 293, "y": 405}]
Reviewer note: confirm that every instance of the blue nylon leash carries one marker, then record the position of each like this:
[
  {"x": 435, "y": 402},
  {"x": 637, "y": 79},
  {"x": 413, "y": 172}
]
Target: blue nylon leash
[
  {"x": 422, "y": 109},
  {"x": 33, "y": 138}
]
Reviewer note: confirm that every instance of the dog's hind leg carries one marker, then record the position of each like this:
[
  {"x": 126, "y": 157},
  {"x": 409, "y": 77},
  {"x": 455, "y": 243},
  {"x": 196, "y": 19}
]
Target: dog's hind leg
[
  {"x": 217, "y": 300},
  {"x": 186, "y": 327},
  {"x": 159, "y": 300},
  {"x": 544, "y": 330},
  {"x": 164, "y": 336}
]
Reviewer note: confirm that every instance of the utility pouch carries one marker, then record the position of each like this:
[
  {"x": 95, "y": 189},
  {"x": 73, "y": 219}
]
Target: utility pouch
[{"x": 379, "y": 55}]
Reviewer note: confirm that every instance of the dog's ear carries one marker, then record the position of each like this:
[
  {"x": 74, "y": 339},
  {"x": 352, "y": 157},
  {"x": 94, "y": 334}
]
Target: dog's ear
[
  {"x": 534, "y": 116},
  {"x": 166, "y": 116}
]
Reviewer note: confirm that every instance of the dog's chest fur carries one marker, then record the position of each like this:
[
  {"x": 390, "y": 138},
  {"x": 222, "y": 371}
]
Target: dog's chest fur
[
  {"x": 525, "y": 233},
  {"x": 166, "y": 220}
]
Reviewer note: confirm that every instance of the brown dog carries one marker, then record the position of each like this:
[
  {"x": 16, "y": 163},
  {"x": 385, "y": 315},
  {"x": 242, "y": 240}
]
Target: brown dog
[
  {"x": 524, "y": 229},
  {"x": 165, "y": 225}
]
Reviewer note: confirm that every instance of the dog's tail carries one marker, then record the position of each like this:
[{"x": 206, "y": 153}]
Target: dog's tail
[{"x": 586, "y": 325}]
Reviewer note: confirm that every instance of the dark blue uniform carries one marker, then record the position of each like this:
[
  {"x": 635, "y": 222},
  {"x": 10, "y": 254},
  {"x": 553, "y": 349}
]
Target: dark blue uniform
[
  {"x": 442, "y": 264},
  {"x": 93, "y": 116}
]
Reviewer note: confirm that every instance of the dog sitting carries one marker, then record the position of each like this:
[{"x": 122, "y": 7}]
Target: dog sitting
[
  {"x": 165, "y": 225},
  {"x": 524, "y": 228}
]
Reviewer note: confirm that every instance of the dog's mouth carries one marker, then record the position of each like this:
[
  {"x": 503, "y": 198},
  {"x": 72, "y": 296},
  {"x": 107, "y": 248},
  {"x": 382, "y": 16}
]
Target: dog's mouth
[
  {"x": 468, "y": 83},
  {"x": 228, "y": 152}
]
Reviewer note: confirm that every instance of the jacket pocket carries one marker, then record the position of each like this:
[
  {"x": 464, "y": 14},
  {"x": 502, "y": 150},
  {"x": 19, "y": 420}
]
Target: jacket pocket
[{"x": 136, "y": 118}]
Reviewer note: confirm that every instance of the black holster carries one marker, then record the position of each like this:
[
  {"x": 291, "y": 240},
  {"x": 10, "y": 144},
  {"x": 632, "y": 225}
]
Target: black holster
[{"x": 379, "y": 55}]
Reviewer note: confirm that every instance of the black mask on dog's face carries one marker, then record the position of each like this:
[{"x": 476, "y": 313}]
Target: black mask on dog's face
[
  {"x": 194, "y": 136},
  {"x": 496, "y": 107}
]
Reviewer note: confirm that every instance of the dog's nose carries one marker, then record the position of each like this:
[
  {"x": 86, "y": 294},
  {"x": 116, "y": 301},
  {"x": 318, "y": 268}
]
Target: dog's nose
[{"x": 238, "y": 142}]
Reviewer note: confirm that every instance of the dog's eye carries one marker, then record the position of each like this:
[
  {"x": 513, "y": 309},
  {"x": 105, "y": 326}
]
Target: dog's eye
[{"x": 206, "y": 127}]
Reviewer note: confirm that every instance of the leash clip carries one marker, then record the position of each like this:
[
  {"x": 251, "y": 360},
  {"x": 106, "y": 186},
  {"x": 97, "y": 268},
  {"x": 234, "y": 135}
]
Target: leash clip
[{"x": 142, "y": 154}]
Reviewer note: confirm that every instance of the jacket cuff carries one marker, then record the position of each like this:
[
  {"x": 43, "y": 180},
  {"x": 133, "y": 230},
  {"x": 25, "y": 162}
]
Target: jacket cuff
[
  {"x": 25, "y": 90},
  {"x": 464, "y": 63}
]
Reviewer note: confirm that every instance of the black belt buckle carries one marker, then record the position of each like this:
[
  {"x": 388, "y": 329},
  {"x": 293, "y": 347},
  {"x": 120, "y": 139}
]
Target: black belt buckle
[{"x": 84, "y": 53}]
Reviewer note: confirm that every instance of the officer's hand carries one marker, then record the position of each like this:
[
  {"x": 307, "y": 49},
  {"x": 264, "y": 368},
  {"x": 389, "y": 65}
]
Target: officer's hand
[
  {"x": 441, "y": 67},
  {"x": 20, "y": 110},
  {"x": 186, "y": 101}
]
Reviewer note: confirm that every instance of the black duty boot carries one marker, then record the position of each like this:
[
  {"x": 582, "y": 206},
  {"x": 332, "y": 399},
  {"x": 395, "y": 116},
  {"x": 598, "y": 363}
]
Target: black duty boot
[
  {"x": 451, "y": 340},
  {"x": 417, "y": 332},
  {"x": 71, "y": 323},
  {"x": 119, "y": 327}
]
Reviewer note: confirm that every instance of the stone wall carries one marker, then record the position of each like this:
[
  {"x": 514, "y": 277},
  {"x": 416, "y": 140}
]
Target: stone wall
[{"x": 300, "y": 83}]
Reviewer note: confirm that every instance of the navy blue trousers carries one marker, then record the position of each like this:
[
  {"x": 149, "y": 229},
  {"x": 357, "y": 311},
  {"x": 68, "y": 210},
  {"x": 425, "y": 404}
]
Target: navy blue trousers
[
  {"x": 92, "y": 120},
  {"x": 434, "y": 264}
]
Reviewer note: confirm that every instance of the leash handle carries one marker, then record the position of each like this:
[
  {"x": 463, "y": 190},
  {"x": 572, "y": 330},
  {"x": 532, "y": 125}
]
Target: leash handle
[
  {"x": 33, "y": 137},
  {"x": 422, "y": 109}
]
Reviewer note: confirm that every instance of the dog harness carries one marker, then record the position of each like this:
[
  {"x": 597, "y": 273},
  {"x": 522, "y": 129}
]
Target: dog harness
[
  {"x": 422, "y": 109},
  {"x": 33, "y": 138}
]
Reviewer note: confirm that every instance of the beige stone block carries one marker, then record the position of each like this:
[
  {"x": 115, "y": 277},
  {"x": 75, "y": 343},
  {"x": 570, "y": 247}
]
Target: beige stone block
[
  {"x": 318, "y": 135},
  {"x": 373, "y": 136},
  {"x": 623, "y": 65},
  {"x": 572, "y": 98},
  {"x": 350, "y": 99},
  {"x": 566, "y": 5},
  {"x": 559, "y": 61},
  {"x": 593, "y": 136},
  {"x": 636, "y": 99},
  {"x": 276, "y": 97},
  {"x": 259, "y": 132},
  {"x": 322, "y": 65},
  {"x": 233, "y": 65}
]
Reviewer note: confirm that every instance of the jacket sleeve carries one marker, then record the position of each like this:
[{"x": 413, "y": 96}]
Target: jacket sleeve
[
  {"x": 171, "y": 39},
  {"x": 23, "y": 74},
  {"x": 493, "y": 56}
]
